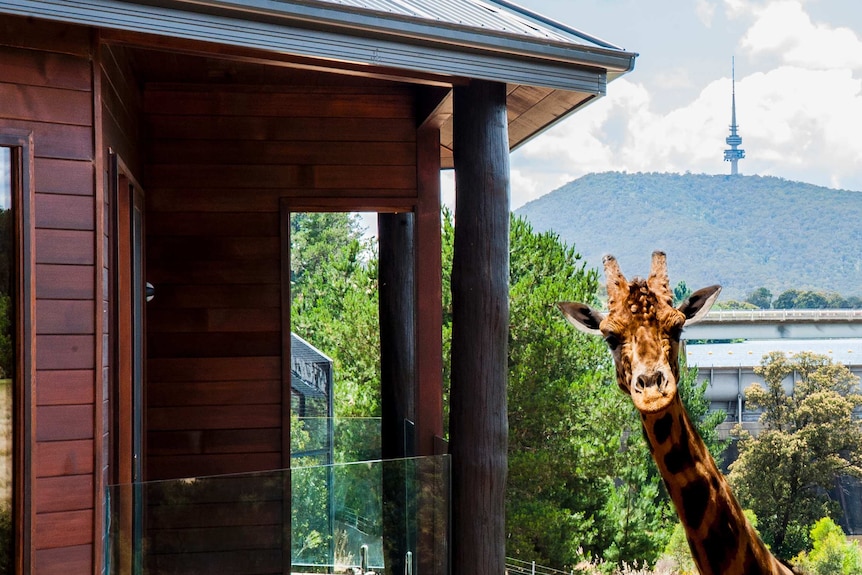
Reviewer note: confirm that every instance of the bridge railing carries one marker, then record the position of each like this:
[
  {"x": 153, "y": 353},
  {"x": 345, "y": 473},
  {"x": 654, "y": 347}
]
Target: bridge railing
[{"x": 812, "y": 315}]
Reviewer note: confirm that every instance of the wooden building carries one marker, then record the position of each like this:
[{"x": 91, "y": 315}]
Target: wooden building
[{"x": 166, "y": 141}]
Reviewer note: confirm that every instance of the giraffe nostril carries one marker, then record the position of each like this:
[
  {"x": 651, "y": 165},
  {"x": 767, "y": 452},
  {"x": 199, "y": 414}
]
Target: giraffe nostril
[{"x": 652, "y": 379}]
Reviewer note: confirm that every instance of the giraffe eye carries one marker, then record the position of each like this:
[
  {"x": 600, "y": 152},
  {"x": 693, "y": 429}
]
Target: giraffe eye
[
  {"x": 613, "y": 340},
  {"x": 675, "y": 332}
]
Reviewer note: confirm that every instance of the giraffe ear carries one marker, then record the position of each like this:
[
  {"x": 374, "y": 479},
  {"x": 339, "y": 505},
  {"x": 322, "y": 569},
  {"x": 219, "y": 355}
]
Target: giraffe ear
[
  {"x": 582, "y": 316},
  {"x": 697, "y": 305}
]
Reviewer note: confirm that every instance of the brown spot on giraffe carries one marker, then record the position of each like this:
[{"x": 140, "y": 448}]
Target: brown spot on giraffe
[{"x": 642, "y": 330}]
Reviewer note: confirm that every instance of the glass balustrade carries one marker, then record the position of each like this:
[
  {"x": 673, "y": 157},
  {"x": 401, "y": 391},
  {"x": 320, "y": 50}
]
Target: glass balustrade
[{"x": 316, "y": 517}]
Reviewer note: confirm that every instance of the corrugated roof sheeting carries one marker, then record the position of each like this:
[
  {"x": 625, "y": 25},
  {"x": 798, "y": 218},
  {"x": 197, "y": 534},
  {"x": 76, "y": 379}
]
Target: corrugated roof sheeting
[
  {"x": 479, "y": 14},
  {"x": 750, "y": 353}
]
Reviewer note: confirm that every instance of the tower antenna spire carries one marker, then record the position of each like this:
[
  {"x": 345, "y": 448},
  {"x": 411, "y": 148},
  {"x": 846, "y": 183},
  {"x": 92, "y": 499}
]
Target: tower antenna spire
[{"x": 734, "y": 140}]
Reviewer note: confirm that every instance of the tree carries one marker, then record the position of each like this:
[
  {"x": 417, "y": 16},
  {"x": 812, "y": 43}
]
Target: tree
[
  {"x": 801, "y": 299},
  {"x": 579, "y": 468},
  {"x": 786, "y": 300},
  {"x": 831, "y": 553},
  {"x": 761, "y": 298},
  {"x": 680, "y": 293},
  {"x": 733, "y": 304},
  {"x": 565, "y": 414},
  {"x": 581, "y": 479},
  {"x": 334, "y": 305},
  {"x": 810, "y": 438}
]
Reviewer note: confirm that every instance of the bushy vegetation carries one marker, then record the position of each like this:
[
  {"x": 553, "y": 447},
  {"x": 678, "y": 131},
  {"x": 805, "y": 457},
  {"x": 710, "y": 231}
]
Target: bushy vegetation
[
  {"x": 582, "y": 486},
  {"x": 802, "y": 299},
  {"x": 831, "y": 553},
  {"x": 583, "y": 491},
  {"x": 743, "y": 232},
  {"x": 810, "y": 438}
]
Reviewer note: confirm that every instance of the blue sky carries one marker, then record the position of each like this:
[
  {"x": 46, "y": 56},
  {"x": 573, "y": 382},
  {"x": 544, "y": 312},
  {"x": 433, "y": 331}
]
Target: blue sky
[{"x": 798, "y": 89}]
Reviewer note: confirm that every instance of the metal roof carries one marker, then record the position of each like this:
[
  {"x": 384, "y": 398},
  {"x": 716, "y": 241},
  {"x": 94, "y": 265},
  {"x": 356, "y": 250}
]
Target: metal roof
[
  {"x": 498, "y": 16},
  {"x": 484, "y": 39},
  {"x": 750, "y": 353},
  {"x": 550, "y": 69}
]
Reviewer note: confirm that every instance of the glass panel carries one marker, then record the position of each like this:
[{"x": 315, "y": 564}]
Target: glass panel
[
  {"x": 341, "y": 493},
  {"x": 234, "y": 523},
  {"x": 7, "y": 358}
]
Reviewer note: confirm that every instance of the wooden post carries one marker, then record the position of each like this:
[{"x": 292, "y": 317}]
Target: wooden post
[
  {"x": 429, "y": 290},
  {"x": 397, "y": 377},
  {"x": 478, "y": 425}
]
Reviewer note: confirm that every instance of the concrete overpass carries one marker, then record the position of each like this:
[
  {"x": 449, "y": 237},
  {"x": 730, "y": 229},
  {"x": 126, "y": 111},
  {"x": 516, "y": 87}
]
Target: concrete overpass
[{"x": 778, "y": 324}]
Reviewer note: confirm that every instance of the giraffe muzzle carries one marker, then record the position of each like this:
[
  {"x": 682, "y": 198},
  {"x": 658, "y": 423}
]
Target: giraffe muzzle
[
  {"x": 652, "y": 391},
  {"x": 653, "y": 379}
]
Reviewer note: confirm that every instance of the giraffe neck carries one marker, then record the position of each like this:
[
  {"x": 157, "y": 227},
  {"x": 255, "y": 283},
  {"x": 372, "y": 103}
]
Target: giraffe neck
[{"x": 722, "y": 540}]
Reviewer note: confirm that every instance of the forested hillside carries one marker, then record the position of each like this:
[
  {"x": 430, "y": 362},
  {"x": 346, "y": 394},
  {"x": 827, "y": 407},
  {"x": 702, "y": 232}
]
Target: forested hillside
[{"x": 742, "y": 232}]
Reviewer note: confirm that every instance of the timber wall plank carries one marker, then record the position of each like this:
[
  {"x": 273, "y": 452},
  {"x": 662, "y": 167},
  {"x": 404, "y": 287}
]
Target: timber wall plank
[
  {"x": 46, "y": 86},
  {"x": 121, "y": 120},
  {"x": 219, "y": 160}
]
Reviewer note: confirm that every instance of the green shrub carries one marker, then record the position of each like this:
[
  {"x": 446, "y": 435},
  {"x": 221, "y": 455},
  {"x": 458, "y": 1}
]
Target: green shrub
[{"x": 831, "y": 552}]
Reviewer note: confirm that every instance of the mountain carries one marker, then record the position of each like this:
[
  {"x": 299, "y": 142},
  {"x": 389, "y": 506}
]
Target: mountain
[{"x": 742, "y": 232}]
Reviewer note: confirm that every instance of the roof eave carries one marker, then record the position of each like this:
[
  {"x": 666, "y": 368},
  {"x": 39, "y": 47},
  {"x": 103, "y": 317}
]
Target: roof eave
[
  {"x": 352, "y": 19},
  {"x": 317, "y": 31}
]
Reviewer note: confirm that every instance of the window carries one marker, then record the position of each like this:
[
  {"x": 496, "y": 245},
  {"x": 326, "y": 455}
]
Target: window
[
  {"x": 16, "y": 368},
  {"x": 7, "y": 362}
]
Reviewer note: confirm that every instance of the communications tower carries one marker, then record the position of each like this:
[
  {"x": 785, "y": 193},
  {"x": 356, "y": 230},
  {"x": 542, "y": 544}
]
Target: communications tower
[{"x": 734, "y": 140}]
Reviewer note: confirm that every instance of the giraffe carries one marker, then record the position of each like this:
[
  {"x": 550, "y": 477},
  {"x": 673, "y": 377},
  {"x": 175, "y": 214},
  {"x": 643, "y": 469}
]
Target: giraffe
[{"x": 642, "y": 330}]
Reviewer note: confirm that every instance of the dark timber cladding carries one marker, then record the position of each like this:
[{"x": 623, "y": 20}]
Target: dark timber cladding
[
  {"x": 224, "y": 158},
  {"x": 166, "y": 142},
  {"x": 46, "y": 90},
  {"x": 480, "y": 319}
]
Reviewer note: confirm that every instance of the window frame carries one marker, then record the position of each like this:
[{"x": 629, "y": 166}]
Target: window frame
[{"x": 22, "y": 165}]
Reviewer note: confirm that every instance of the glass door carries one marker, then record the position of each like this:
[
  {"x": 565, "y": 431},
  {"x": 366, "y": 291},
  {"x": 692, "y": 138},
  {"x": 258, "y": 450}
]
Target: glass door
[{"x": 129, "y": 297}]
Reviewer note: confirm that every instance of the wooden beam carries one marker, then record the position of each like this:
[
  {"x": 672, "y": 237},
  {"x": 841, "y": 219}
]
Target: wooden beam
[
  {"x": 480, "y": 320},
  {"x": 273, "y": 58},
  {"x": 429, "y": 298},
  {"x": 287, "y": 479},
  {"x": 429, "y": 543}
]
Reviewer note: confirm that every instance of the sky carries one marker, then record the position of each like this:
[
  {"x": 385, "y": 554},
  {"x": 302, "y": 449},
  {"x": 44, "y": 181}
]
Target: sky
[{"x": 798, "y": 93}]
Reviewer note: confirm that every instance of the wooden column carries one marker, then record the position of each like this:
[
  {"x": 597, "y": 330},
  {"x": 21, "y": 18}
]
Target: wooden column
[
  {"x": 430, "y": 549},
  {"x": 397, "y": 376},
  {"x": 478, "y": 426},
  {"x": 429, "y": 290}
]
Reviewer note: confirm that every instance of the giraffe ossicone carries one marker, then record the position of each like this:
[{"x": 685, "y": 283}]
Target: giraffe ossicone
[{"x": 642, "y": 328}]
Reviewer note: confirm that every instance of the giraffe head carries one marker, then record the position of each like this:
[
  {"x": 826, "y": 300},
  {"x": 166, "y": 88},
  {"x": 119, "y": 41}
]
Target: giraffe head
[{"x": 642, "y": 330}]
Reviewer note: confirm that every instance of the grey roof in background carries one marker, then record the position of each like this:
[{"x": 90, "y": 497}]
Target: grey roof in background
[
  {"x": 750, "y": 353},
  {"x": 304, "y": 351}
]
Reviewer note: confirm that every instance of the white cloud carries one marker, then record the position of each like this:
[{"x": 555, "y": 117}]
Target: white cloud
[
  {"x": 798, "y": 120},
  {"x": 705, "y": 11},
  {"x": 784, "y": 28}
]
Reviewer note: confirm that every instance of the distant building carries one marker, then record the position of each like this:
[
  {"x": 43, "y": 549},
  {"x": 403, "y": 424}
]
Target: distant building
[
  {"x": 311, "y": 398},
  {"x": 734, "y": 140},
  {"x": 729, "y": 369}
]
